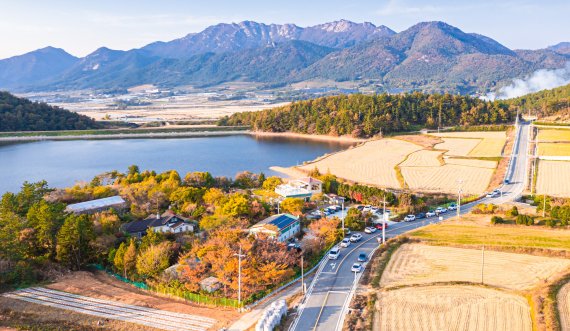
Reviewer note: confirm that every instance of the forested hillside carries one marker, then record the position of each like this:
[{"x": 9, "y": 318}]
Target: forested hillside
[
  {"x": 368, "y": 115},
  {"x": 546, "y": 103},
  {"x": 19, "y": 114}
]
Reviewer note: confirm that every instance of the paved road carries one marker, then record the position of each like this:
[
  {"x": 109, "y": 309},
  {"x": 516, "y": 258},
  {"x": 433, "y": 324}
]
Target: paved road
[{"x": 328, "y": 294}]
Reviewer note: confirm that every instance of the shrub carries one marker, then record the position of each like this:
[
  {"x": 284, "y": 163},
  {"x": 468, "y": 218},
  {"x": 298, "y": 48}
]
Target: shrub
[
  {"x": 484, "y": 208},
  {"x": 496, "y": 220},
  {"x": 524, "y": 220},
  {"x": 513, "y": 212},
  {"x": 550, "y": 222}
]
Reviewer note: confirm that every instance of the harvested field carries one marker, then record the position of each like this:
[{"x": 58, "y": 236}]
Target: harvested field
[
  {"x": 563, "y": 299},
  {"x": 553, "y": 178},
  {"x": 489, "y": 147},
  {"x": 160, "y": 319},
  {"x": 553, "y": 135},
  {"x": 425, "y": 264},
  {"x": 424, "y": 140},
  {"x": 423, "y": 158},
  {"x": 553, "y": 149},
  {"x": 468, "y": 230},
  {"x": 446, "y": 178},
  {"x": 99, "y": 285},
  {"x": 451, "y": 308},
  {"x": 458, "y": 147},
  {"x": 472, "y": 134},
  {"x": 371, "y": 163},
  {"x": 472, "y": 162}
]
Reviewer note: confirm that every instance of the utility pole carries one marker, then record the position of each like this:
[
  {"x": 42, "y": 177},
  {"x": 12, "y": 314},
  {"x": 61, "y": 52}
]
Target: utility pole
[
  {"x": 239, "y": 276},
  {"x": 384, "y": 221},
  {"x": 343, "y": 216},
  {"x": 459, "y": 197},
  {"x": 482, "y": 263}
]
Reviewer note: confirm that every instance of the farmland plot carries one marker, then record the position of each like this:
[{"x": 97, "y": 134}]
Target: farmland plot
[
  {"x": 472, "y": 163},
  {"x": 371, "y": 163},
  {"x": 553, "y": 135},
  {"x": 553, "y": 178},
  {"x": 553, "y": 149},
  {"x": 451, "y": 308},
  {"x": 446, "y": 178},
  {"x": 458, "y": 146},
  {"x": 472, "y": 134},
  {"x": 489, "y": 147},
  {"x": 425, "y": 264},
  {"x": 423, "y": 158},
  {"x": 563, "y": 299}
]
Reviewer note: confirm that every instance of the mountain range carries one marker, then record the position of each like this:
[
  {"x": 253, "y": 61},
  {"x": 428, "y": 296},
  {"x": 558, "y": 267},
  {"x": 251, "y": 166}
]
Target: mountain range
[{"x": 429, "y": 56}]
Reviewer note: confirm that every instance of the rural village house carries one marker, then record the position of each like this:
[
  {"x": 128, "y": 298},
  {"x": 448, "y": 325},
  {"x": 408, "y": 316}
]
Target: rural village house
[
  {"x": 168, "y": 222},
  {"x": 281, "y": 226},
  {"x": 302, "y": 188}
]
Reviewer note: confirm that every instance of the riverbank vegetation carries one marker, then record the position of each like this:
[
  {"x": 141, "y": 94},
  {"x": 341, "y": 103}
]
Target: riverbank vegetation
[{"x": 370, "y": 115}]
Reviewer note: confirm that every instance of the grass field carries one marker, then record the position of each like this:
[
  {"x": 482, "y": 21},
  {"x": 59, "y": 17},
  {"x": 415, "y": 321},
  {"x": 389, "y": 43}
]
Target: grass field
[
  {"x": 471, "y": 233},
  {"x": 553, "y": 135},
  {"x": 482, "y": 144},
  {"x": 451, "y": 308},
  {"x": 553, "y": 178},
  {"x": 414, "y": 264},
  {"x": 553, "y": 149},
  {"x": 563, "y": 299}
]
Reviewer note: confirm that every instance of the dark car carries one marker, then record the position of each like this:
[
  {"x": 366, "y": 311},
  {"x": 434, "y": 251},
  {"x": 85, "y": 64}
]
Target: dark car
[
  {"x": 362, "y": 257},
  {"x": 421, "y": 215},
  {"x": 507, "y": 181},
  {"x": 360, "y": 208}
]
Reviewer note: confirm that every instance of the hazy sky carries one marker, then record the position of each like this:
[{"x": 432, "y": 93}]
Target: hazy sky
[{"x": 80, "y": 26}]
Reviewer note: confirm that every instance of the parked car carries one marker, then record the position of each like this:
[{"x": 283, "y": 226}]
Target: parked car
[
  {"x": 334, "y": 253},
  {"x": 336, "y": 207},
  {"x": 420, "y": 216},
  {"x": 356, "y": 237},
  {"x": 368, "y": 229},
  {"x": 345, "y": 242},
  {"x": 326, "y": 212},
  {"x": 362, "y": 257},
  {"x": 294, "y": 246},
  {"x": 379, "y": 225},
  {"x": 360, "y": 208},
  {"x": 430, "y": 213},
  {"x": 357, "y": 267},
  {"x": 375, "y": 210},
  {"x": 441, "y": 210},
  {"x": 452, "y": 207},
  {"x": 410, "y": 218},
  {"x": 366, "y": 208}
]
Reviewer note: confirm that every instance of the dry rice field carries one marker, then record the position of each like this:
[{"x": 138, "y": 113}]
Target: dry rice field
[
  {"x": 458, "y": 146},
  {"x": 482, "y": 144},
  {"x": 451, "y": 308},
  {"x": 425, "y": 264},
  {"x": 553, "y": 135},
  {"x": 563, "y": 299},
  {"x": 472, "y": 163},
  {"x": 553, "y": 178},
  {"x": 371, "y": 163},
  {"x": 422, "y": 158},
  {"x": 446, "y": 178},
  {"x": 553, "y": 149}
]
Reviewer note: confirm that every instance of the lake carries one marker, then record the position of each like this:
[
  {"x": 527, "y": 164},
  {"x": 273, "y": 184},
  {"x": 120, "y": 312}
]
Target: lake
[{"x": 62, "y": 163}]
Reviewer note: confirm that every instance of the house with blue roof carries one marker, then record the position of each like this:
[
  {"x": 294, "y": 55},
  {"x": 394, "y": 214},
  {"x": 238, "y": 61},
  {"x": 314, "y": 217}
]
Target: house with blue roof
[{"x": 281, "y": 227}]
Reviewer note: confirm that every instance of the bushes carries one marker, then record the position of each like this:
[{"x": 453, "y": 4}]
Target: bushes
[
  {"x": 497, "y": 220},
  {"x": 514, "y": 212},
  {"x": 484, "y": 209},
  {"x": 524, "y": 220}
]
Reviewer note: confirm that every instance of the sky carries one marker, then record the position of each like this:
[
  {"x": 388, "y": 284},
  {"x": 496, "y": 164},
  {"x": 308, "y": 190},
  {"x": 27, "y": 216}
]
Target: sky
[{"x": 80, "y": 27}]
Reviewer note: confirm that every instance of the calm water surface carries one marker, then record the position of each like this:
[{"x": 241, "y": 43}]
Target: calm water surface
[{"x": 62, "y": 163}]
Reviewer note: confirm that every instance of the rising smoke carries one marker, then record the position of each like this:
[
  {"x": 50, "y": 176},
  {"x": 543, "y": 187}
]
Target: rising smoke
[{"x": 543, "y": 79}]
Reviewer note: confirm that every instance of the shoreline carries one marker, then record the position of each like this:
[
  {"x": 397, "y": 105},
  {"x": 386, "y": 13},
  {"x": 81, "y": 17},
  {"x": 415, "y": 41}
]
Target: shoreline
[
  {"x": 341, "y": 139},
  {"x": 125, "y": 136}
]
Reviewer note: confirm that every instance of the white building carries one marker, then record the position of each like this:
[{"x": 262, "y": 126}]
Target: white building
[
  {"x": 280, "y": 226},
  {"x": 302, "y": 188},
  {"x": 165, "y": 223}
]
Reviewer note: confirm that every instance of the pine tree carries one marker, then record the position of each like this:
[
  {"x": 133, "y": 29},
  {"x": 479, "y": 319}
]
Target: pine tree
[{"x": 73, "y": 241}]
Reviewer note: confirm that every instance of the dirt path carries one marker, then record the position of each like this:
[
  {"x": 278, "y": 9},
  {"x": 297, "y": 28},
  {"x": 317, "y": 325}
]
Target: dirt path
[{"x": 563, "y": 299}]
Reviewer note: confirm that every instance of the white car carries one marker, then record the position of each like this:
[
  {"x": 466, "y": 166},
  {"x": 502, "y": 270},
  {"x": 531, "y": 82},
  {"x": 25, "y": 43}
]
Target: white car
[
  {"x": 345, "y": 243},
  {"x": 334, "y": 253},
  {"x": 452, "y": 207},
  {"x": 410, "y": 218},
  {"x": 374, "y": 210},
  {"x": 356, "y": 237},
  {"x": 366, "y": 209},
  {"x": 357, "y": 267},
  {"x": 430, "y": 213},
  {"x": 441, "y": 210}
]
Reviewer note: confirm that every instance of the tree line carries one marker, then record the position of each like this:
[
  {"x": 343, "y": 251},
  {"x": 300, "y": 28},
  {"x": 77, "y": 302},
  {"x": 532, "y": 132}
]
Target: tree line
[
  {"x": 361, "y": 115},
  {"x": 544, "y": 103},
  {"x": 20, "y": 114}
]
